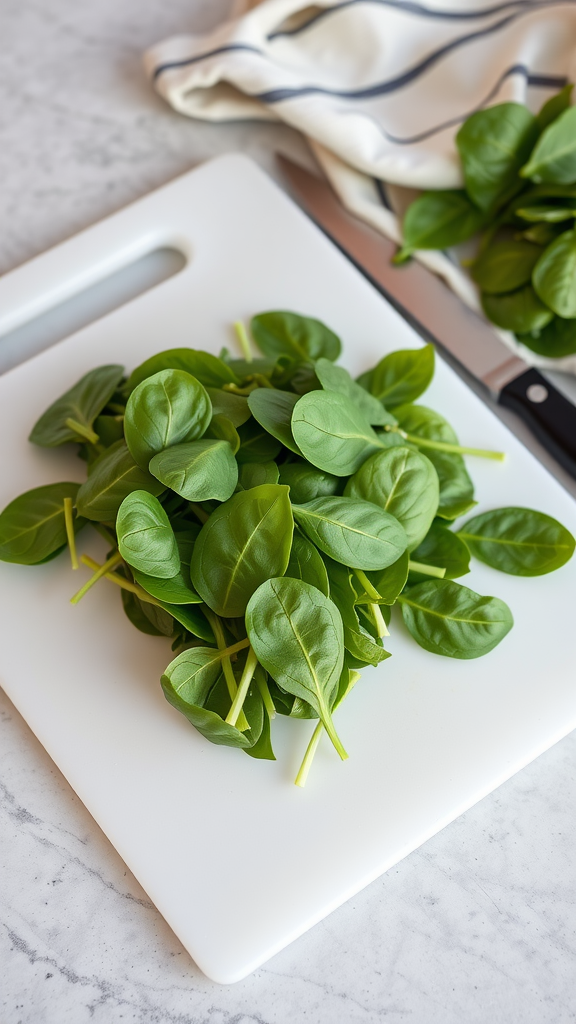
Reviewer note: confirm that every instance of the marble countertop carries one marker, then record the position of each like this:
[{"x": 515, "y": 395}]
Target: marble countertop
[{"x": 480, "y": 923}]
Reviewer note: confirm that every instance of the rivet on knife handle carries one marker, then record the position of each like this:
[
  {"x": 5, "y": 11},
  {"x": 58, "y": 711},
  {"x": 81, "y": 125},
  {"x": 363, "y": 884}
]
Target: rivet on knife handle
[{"x": 550, "y": 416}]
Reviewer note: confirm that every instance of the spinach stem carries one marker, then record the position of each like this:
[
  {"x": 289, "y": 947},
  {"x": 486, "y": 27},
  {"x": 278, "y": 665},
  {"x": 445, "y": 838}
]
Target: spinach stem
[
  {"x": 243, "y": 340},
  {"x": 198, "y": 511},
  {"x": 365, "y": 582},
  {"x": 266, "y": 696},
  {"x": 225, "y": 652},
  {"x": 262, "y": 381},
  {"x": 444, "y": 446},
  {"x": 242, "y": 722},
  {"x": 427, "y": 570},
  {"x": 336, "y": 741},
  {"x": 240, "y": 645},
  {"x": 249, "y": 669},
  {"x": 300, "y": 779},
  {"x": 111, "y": 563},
  {"x": 69, "y": 522},
  {"x": 379, "y": 620},
  {"x": 84, "y": 432},
  {"x": 236, "y": 389},
  {"x": 120, "y": 581}
]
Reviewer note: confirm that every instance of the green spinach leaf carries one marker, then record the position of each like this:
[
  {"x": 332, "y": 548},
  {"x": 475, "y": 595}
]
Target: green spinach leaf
[
  {"x": 245, "y": 542},
  {"x": 554, "y": 277},
  {"x": 300, "y": 337},
  {"x": 354, "y": 532},
  {"x": 520, "y": 311},
  {"x": 113, "y": 476},
  {"x": 493, "y": 144},
  {"x": 176, "y": 589},
  {"x": 253, "y": 474},
  {"x": 555, "y": 340},
  {"x": 165, "y": 409},
  {"x": 331, "y": 433},
  {"x": 336, "y": 378},
  {"x": 211, "y": 371},
  {"x": 402, "y": 482},
  {"x": 256, "y": 444},
  {"x": 400, "y": 377},
  {"x": 234, "y": 407},
  {"x": 297, "y": 635},
  {"x": 306, "y": 564},
  {"x": 438, "y": 220},
  {"x": 187, "y": 683},
  {"x": 273, "y": 410},
  {"x": 134, "y": 611},
  {"x": 548, "y": 213},
  {"x": 505, "y": 266},
  {"x": 32, "y": 527},
  {"x": 554, "y": 156},
  {"x": 197, "y": 470},
  {"x": 443, "y": 549},
  {"x": 110, "y": 429},
  {"x": 306, "y": 482},
  {"x": 81, "y": 404},
  {"x": 456, "y": 487},
  {"x": 222, "y": 429},
  {"x": 519, "y": 541},
  {"x": 390, "y": 582},
  {"x": 555, "y": 106},
  {"x": 447, "y": 618},
  {"x": 145, "y": 537},
  {"x": 363, "y": 647}
]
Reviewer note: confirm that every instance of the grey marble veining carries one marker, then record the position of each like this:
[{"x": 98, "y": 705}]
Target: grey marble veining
[{"x": 477, "y": 926}]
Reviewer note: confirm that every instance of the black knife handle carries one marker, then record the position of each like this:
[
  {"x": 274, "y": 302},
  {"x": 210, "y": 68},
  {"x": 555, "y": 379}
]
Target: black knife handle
[{"x": 548, "y": 414}]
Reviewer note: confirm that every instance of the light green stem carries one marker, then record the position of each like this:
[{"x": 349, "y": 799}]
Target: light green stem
[
  {"x": 84, "y": 432},
  {"x": 120, "y": 581},
  {"x": 334, "y": 737},
  {"x": 444, "y": 446},
  {"x": 230, "y": 678},
  {"x": 69, "y": 523},
  {"x": 379, "y": 620},
  {"x": 102, "y": 571},
  {"x": 236, "y": 389},
  {"x": 427, "y": 570},
  {"x": 246, "y": 679},
  {"x": 300, "y": 779},
  {"x": 243, "y": 340},
  {"x": 365, "y": 582},
  {"x": 262, "y": 381},
  {"x": 266, "y": 696}
]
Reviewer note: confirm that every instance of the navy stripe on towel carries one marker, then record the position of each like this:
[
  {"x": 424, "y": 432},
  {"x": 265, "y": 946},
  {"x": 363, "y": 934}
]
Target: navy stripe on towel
[
  {"x": 555, "y": 82},
  {"x": 418, "y": 10}
]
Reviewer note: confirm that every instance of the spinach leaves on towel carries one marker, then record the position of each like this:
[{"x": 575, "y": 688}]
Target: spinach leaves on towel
[{"x": 519, "y": 199}]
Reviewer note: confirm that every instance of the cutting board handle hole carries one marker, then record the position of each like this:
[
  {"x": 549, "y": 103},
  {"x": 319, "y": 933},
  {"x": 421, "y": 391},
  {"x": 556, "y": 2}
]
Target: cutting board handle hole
[{"x": 88, "y": 305}]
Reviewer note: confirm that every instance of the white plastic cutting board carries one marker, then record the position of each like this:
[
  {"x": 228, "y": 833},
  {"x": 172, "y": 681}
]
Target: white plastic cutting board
[{"x": 237, "y": 859}]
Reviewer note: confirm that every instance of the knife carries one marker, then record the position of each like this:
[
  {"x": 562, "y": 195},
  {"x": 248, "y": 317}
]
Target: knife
[{"x": 441, "y": 317}]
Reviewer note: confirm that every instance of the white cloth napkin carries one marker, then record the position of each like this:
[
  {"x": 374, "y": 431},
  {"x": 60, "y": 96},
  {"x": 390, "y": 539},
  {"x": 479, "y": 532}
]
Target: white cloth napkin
[{"x": 379, "y": 87}]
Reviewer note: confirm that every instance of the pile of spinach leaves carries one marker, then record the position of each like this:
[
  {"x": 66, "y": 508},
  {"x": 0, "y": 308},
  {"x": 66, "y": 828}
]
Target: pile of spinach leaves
[
  {"x": 266, "y": 513},
  {"x": 520, "y": 195}
]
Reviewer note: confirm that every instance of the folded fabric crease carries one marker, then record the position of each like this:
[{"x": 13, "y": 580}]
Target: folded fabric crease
[{"x": 379, "y": 88}]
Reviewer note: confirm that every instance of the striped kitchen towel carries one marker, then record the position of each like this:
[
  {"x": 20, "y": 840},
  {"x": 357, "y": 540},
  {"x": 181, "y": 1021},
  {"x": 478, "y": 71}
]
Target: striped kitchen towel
[{"x": 379, "y": 87}]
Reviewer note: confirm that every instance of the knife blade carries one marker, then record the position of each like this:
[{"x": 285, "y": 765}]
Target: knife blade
[{"x": 438, "y": 315}]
